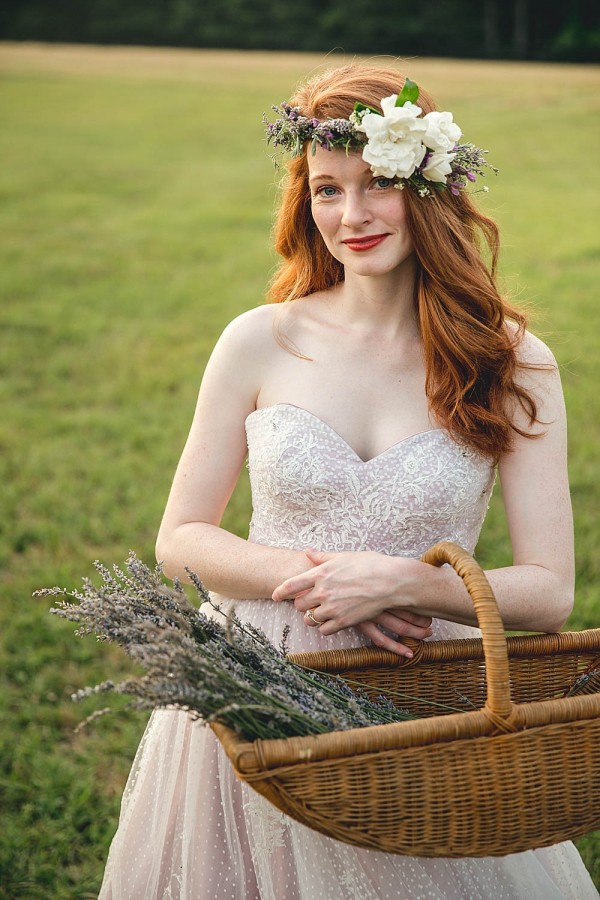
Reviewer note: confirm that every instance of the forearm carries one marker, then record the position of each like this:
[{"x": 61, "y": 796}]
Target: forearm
[
  {"x": 529, "y": 597},
  {"x": 225, "y": 563}
]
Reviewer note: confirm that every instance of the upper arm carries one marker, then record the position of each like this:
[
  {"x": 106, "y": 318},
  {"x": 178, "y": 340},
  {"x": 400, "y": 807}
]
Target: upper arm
[
  {"x": 216, "y": 446},
  {"x": 534, "y": 474}
]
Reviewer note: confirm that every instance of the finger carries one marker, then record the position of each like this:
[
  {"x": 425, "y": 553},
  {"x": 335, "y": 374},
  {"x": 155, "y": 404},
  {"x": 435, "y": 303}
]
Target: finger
[
  {"x": 311, "y": 618},
  {"x": 379, "y": 639},
  {"x": 330, "y": 627},
  {"x": 293, "y": 587},
  {"x": 414, "y": 618},
  {"x": 305, "y": 601},
  {"x": 317, "y": 557},
  {"x": 401, "y": 626}
]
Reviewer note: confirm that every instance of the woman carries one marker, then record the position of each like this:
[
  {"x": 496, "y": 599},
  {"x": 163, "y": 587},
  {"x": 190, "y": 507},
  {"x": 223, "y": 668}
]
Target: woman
[{"x": 374, "y": 409}]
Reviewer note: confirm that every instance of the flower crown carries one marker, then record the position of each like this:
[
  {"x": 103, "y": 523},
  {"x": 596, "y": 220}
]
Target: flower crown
[{"x": 400, "y": 142}]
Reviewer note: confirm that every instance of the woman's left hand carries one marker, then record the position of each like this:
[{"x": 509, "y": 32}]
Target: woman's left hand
[
  {"x": 398, "y": 624},
  {"x": 345, "y": 589}
]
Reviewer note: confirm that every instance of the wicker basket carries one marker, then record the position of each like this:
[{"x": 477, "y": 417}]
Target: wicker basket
[{"x": 505, "y": 775}]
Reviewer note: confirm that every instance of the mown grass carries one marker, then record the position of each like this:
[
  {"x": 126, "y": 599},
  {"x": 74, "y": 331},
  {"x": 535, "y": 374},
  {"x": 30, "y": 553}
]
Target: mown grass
[{"x": 136, "y": 202}]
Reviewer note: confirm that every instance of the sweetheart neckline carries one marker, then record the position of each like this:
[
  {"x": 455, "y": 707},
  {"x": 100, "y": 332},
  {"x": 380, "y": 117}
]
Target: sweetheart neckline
[{"x": 332, "y": 430}]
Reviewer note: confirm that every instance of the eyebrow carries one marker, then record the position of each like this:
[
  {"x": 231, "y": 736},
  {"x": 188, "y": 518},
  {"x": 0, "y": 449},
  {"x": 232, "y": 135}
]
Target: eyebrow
[
  {"x": 321, "y": 178},
  {"x": 324, "y": 177}
]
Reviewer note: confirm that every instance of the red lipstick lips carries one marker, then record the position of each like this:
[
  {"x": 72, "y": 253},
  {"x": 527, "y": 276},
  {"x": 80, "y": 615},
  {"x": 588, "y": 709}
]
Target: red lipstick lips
[{"x": 364, "y": 243}]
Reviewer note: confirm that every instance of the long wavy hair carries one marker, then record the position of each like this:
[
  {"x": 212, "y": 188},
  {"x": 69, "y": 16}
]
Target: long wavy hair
[{"x": 469, "y": 350}]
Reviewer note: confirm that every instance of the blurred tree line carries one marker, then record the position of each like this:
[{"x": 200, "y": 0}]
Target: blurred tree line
[{"x": 500, "y": 29}]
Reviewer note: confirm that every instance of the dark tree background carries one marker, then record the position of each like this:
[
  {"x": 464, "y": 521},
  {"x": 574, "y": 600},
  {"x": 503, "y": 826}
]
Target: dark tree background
[{"x": 514, "y": 29}]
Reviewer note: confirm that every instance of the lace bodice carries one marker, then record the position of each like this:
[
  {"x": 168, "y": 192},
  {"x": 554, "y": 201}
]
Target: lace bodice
[{"x": 310, "y": 489}]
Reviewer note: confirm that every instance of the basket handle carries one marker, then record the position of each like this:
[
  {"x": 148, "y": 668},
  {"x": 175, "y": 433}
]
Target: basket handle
[{"x": 495, "y": 650}]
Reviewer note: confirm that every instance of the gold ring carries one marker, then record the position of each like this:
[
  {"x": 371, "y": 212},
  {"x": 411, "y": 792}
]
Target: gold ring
[{"x": 310, "y": 614}]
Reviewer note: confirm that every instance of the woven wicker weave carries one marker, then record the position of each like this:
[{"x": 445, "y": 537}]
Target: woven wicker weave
[{"x": 520, "y": 768}]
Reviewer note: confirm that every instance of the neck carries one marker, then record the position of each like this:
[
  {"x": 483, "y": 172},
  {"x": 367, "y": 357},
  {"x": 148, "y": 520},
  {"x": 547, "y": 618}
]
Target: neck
[{"x": 383, "y": 303}]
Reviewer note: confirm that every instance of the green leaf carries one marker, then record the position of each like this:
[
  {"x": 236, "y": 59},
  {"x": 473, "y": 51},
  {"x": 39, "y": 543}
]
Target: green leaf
[
  {"x": 410, "y": 92},
  {"x": 360, "y": 107}
]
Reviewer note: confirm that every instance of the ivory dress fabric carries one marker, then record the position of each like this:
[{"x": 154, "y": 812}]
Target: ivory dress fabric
[{"x": 189, "y": 830}]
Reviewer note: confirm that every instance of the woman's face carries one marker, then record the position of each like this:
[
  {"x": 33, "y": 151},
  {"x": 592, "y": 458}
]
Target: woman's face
[{"x": 359, "y": 215}]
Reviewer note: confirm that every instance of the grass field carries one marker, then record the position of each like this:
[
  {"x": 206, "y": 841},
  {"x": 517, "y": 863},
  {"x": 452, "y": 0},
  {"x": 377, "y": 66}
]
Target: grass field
[{"x": 136, "y": 203}]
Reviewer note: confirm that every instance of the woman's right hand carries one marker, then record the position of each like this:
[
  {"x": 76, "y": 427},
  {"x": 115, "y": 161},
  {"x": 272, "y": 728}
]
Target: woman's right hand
[{"x": 399, "y": 624}]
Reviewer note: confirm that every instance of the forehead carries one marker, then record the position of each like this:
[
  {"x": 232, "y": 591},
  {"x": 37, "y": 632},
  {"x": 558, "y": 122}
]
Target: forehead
[{"x": 336, "y": 163}]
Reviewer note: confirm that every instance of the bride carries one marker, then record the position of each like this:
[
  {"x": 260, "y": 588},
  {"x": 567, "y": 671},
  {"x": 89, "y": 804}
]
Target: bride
[{"x": 374, "y": 410}]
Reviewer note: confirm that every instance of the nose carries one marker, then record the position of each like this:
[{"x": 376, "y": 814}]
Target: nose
[{"x": 356, "y": 210}]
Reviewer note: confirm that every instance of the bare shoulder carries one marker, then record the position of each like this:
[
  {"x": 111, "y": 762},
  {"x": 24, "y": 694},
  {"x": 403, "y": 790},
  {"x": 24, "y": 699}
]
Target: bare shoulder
[
  {"x": 538, "y": 374},
  {"x": 252, "y": 330},
  {"x": 531, "y": 351},
  {"x": 537, "y": 367},
  {"x": 237, "y": 365},
  {"x": 261, "y": 333}
]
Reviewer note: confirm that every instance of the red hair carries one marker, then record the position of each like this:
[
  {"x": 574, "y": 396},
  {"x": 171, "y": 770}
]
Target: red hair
[{"x": 469, "y": 350}]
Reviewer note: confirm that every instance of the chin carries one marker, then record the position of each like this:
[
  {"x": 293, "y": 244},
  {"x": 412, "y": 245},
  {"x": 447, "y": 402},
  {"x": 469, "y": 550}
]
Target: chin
[{"x": 375, "y": 268}]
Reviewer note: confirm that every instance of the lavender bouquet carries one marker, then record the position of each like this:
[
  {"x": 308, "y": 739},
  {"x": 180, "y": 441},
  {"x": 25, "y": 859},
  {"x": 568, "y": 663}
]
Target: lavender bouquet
[{"x": 229, "y": 673}]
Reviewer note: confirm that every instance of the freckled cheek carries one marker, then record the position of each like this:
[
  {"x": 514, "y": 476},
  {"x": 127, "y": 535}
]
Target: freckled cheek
[
  {"x": 394, "y": 209},
  {"x": 327, "y": 222},
  {"x": 398, "y": 218}
]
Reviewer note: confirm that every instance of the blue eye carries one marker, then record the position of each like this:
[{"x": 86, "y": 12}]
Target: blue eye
[
  {"x": 383, "y": 182},
  {"x": 326, "y": 191}
]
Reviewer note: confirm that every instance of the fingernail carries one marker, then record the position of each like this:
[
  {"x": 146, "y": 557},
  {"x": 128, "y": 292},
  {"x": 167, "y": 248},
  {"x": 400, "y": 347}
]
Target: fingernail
[{"x": 409, "y": 654}]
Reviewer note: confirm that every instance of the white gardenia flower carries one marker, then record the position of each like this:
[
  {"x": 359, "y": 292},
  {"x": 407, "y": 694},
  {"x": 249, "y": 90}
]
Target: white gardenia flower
[
  {"x": 394, "y": 159},
  {"x": 395, "y": 139},
  {"x": 438, "y": 166},
  {"x": 442, "y": 133},
  {"x": 396, "y": 123}
]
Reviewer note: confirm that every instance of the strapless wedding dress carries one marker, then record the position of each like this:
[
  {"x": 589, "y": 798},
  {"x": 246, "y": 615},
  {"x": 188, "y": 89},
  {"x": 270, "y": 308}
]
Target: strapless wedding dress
[{"x": 189, "y": 830}]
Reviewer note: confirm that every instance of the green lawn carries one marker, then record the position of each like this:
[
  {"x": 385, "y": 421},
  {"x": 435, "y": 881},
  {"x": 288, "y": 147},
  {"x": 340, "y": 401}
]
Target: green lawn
[{"x": 136, "y": 203}]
